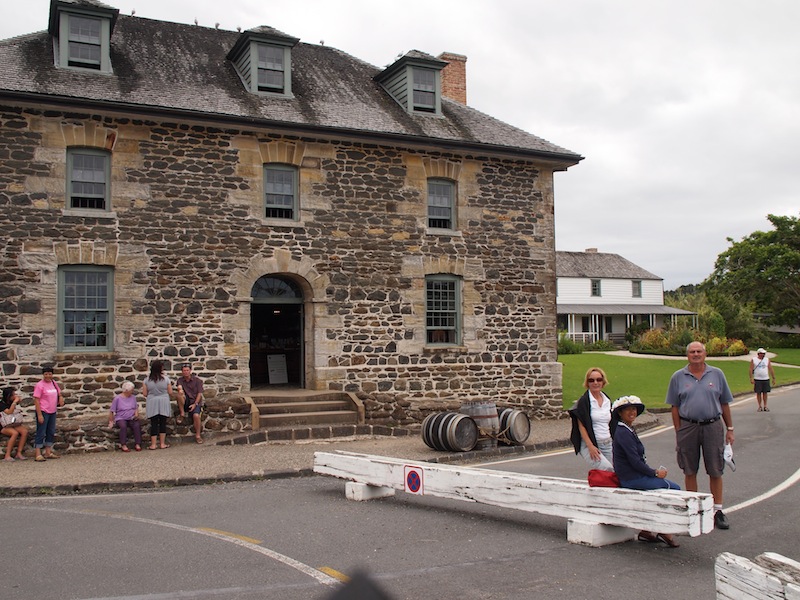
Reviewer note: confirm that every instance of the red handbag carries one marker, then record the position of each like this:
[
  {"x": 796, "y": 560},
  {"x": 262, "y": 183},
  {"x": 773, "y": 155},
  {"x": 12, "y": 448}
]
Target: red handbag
[{"x": 600, "y": 478}]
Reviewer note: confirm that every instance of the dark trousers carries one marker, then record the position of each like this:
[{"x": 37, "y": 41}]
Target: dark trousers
[
  {"x": 123, "y": 431},
  {"x": 158, "y": 424}
]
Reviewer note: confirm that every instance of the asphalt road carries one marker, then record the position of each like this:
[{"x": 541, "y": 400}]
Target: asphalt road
[{"x": 293, "y": 538}]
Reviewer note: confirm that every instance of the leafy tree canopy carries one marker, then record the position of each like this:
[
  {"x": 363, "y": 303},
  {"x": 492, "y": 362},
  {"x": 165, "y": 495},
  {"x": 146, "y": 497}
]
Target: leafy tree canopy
[{"x": 763, "y": 270}]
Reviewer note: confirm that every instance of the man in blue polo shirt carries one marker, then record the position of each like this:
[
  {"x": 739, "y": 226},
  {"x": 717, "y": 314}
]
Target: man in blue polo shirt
[{"x": 700, "y": 400}]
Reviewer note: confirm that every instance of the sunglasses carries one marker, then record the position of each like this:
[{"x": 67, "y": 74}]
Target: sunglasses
[{"x": 590, "y": 380}]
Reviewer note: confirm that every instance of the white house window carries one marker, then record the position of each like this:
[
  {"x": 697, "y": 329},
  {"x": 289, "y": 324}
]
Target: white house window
[
  {"x": 442, "y": 309},
  {"x": 596, "y": 288},
  {"x": 88, "y": 172},
  {"x": 271, "y": 72},
  {"x": 280, "y": 192},
  {"x": 441, "y": 204},
  {"x": 636, "y": 288},
  {"x": 424, "y": 87},
  {"x": 85, "y": 298}
]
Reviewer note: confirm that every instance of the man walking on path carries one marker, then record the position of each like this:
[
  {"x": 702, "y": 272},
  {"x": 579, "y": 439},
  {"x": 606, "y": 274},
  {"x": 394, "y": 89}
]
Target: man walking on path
[
  {"x": 700, "y": 400},
  {"x": 190, "y": 399},
  {"x": 760, "y": 372}
]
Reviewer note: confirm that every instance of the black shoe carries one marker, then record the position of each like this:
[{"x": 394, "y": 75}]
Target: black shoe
[{"x": 721, "y": 521}]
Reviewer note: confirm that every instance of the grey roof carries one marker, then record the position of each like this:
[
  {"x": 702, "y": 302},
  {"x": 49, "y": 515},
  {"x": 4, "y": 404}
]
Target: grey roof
[
  {"x": 620, "y": 309},
  {"x": 598, "y": 265},
  {"x": 161, "y": 67}
]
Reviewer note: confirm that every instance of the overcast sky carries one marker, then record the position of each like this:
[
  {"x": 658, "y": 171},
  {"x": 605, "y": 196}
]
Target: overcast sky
[{"x": 687, "y": 112}]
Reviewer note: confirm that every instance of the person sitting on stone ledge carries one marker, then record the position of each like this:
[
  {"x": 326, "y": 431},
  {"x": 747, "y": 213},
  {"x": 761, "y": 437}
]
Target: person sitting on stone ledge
[
  {"x": 12, "y": 425},
  {"x": 124, "y": 412}
]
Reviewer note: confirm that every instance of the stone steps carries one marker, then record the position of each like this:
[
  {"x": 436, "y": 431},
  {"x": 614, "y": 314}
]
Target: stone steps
[{"x": 303, "y": 408}]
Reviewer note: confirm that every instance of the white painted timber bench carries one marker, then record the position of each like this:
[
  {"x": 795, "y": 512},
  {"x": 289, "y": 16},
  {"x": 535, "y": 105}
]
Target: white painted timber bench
[
  {"x": 595, "y": 516},
  {"x": 770, "y": 576}
]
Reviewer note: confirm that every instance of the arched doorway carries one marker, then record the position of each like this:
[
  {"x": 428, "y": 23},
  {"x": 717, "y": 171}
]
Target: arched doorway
[{"x": 276, "y": 333}]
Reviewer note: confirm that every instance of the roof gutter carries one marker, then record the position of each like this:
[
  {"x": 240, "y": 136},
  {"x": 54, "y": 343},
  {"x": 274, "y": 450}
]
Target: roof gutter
[{"x": 560, "y": 161}]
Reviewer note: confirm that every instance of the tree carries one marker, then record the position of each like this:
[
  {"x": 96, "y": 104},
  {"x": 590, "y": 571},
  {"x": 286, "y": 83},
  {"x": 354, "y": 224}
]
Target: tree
[{"x": 763, "y": 270}]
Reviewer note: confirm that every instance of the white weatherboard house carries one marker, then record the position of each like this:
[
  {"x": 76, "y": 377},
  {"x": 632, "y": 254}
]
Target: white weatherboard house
[{"x": 600, "y": 295}]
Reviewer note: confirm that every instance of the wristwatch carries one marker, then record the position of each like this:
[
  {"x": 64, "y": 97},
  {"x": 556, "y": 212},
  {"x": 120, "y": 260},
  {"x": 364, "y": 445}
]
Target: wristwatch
[{"x": 730, "y": 428}]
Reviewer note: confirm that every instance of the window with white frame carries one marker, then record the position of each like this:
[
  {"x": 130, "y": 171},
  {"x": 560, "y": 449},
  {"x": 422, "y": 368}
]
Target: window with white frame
[
  {"x": 280, "y": 192},
  {"x": 596, "y": 288},
  {"x": 89, "y": 173},
  {"x": 636, "y": 288},
  {"x": 442, "y": 309},
  {"x": 85, "y": 316},
  {"x": 441, "y": 204}
]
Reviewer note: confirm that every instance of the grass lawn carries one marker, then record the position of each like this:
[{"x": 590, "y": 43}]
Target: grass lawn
[
  {"x": 789, "y": 356},
  {"x": 648, "y": 378}
]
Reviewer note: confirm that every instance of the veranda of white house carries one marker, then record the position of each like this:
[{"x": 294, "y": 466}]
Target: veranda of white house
[{"x": 600, "y": 296}]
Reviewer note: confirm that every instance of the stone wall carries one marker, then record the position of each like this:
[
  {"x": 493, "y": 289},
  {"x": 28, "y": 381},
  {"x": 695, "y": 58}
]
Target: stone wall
[{"x": 186, "y": 240}]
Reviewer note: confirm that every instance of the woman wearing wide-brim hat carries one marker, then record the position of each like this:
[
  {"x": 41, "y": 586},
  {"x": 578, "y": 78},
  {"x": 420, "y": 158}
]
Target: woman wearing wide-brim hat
[{"x": 630, "y": 463}]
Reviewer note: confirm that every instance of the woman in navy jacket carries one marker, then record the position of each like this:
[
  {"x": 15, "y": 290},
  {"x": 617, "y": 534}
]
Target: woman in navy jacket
[{"x": 630, "y": 463}]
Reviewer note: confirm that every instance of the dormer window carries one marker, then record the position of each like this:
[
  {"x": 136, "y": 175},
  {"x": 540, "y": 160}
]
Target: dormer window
[
  {"x": 424, "y": 89},
  {"x": 415, "y": 82},
  {"x": 263, "y": 59},
  {"x": 84, "y": 43},
  {"x": 82, "y": 35},
  {"x": 270, "y": 68}
]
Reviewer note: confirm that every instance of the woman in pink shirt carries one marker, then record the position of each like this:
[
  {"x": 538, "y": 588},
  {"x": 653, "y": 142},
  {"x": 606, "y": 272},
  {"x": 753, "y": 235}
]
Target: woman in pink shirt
[{"x": 47, "y": 397}]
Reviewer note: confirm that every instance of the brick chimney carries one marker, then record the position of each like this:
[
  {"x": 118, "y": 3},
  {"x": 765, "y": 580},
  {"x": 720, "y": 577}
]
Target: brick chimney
[
  {"x": 591, "y": 251},
  {"x": 454, "y": 77}
]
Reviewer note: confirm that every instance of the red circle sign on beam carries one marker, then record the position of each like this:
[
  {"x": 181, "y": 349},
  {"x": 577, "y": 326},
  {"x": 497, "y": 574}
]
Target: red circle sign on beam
[{"x": 413, "y": 480}]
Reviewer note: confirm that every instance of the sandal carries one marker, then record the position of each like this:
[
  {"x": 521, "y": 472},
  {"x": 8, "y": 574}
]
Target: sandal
[
  {"x": 646, "y": 536},
  {"x": 138, "y": 448},
  {"x": 53, "y": 456},
  {"x": 21, "y": 457},
  {"x": 199, "y": 440},
  {"x": 165, "y": 446},
  {"x": 152, "y": 447},
  {"x": 668, "y": 540},
  {"x": 766, "y": 409},
  {"x": 759, "y": 409},
  {"x": 40, "y": 458},
  {"x": 125, "y": 449},
  {"x": 8, "y": 459}
]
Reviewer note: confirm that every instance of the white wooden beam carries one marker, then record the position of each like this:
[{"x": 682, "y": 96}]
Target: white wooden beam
[{"x": 665, "y": 511}]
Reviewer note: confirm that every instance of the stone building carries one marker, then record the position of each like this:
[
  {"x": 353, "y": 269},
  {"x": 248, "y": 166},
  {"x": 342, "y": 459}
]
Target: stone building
[{"x": 225, "y": 198}]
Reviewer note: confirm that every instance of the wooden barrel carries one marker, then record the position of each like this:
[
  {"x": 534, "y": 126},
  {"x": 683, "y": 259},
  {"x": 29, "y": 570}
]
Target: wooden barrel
[
  {"x": 485, "y": 415},
  {"x": 449, "y": 431},
  {"x": 515, "y": 426}
]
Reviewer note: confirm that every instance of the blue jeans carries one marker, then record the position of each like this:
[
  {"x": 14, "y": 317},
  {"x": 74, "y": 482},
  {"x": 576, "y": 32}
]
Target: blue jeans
[
  {"x": 649, "y": 483},
  {"x": 45, "y": 432}
]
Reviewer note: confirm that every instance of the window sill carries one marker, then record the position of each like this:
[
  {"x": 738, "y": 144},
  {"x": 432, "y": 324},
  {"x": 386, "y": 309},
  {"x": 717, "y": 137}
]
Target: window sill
[
  {"x": 282, "y": 222},
  {"x": 443, "y": 232},
  {"x": 83, "y": 355},
  {"x": 429, "y": 349},
  {"x": 93, "y": 214}
]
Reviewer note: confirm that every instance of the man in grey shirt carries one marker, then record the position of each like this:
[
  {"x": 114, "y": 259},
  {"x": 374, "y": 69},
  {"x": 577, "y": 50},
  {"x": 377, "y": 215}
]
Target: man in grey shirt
[{"x": 700, "y": 400}]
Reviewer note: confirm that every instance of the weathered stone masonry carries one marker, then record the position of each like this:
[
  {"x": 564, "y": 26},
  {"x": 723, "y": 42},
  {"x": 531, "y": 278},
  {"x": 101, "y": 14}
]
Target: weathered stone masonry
[{"x": 187, "y": 240}]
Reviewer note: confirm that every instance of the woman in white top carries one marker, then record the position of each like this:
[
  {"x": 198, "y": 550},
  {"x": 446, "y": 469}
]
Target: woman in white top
[{"x": 591, "y": 422}]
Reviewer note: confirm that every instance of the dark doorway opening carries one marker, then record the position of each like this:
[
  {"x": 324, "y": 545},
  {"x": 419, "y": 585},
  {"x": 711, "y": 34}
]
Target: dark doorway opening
[{"x": 276, "y": 345}]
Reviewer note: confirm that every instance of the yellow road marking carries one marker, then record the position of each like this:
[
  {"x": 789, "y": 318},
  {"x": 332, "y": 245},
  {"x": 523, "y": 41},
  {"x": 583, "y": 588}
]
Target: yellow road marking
[
  {"x": 335, "y": 574},
  {"x": 244, "y": 538}
]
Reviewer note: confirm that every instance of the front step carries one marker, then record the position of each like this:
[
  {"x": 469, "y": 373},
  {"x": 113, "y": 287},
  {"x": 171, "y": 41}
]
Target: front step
[
  {"x": 309, "y": 418},
  {"x": 281, "y": 408}
]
